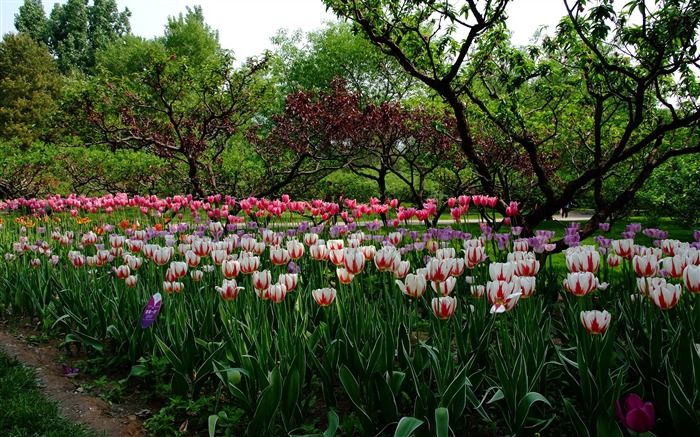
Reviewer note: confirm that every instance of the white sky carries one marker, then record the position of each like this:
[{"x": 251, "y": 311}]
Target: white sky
[{"x": 246, "y": 26}]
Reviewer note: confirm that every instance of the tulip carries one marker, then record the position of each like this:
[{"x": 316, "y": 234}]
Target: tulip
[
  {"x": 502, "y": 295},
  {"x": 230, "y": 268},
  {"x": 335, "y": 244},
  {"x": 582, "y": 259},
  {"x": 369, "y": 252},
  {"x": 413, "y": 286},
  {"x": 229, "y": 289},
  {"x": 474, "y": 255},
  {"x": 162, "y": 255},
  {"x": 336, "y": 256},
  {"x": 290, "y": 280},
  {"x": 249, "y": 263},
  {"x": 387, "y": 258},
  {"x": 353, "y": 260},
  {"x": 295, "y": 249},
  {"x": 636, "y": 415},
  {"x": 691, "y": 278},
  {"x": 344, "y": 276},
  {"x": 646, "y": 265},
  {"x": 196, "y": 275},
  {"x": 276, "y": 292},
  {"x": 445, "y": 287},
  {"x": 402, "y": 269},
  {"x": 36, "y": 262},
  {"x": 478, "y": 291},
  {"x": 279, "y": 256},
  {"x": 310, "y": 239},
  {"x": 580, "y": 283},
  {"x": 179, "y": 268},
  {"x": 623, "y": 248},
  {"x": 444, "y": 307},
  {"x": 262, "y": 280},
  {"x": 324, "y": 296},
  {"x": 526, "y": 285},
  {"x": 77, "y": 259},
  {"x": 131, "y": 281},
  {"x": 665, "y": 295},
  {"x": 440, "y": 269},
  {"x": 122, "y": 271},
  {"x": 201, "y": 247},
  {"x": 527, "y": 267},
  {"x": 218, "y": 256},
  {"x": 595, "y": 322},
  {"x": 319, "y": 252},
  {"x": 613, "y": 260},
  {"x": 501, "y": 271},
  {"x": 192, "y": 259}
]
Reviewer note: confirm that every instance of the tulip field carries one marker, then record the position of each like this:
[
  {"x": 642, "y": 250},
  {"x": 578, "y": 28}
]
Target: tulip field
[{"x": 321, "y": 318}]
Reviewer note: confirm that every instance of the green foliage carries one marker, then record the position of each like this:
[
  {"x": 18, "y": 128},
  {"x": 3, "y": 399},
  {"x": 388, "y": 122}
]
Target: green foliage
[
  {"x": 26, "y": 173},
  {"x": 190, "y": 37},
  {"x": 31, "y": 20},
  {"x": 74, "y": 30},
  {"x": 314, "y": 60},
  {"x": 669, "y": 192},
  {"x": 30, "y": 87}
]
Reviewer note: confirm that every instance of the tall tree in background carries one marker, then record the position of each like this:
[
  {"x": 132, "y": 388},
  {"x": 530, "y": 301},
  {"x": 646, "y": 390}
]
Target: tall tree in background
[
  {"x": 314, "y": 60},
  {"x": 184, "y": 104},
  {"x": 30, "y": 87},
  {"x": 635, "y": 76},
  {"x": 31, "y": 20},
  {"x": 74, "y": 31}
]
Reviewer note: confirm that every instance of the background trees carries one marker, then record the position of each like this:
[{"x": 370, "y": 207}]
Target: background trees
[
  {"x": 615, "y": 73},
  {"x": 29, "y": 89},
  {"x": 74, "y": 31},
  {"x": 183, "y": 106}
]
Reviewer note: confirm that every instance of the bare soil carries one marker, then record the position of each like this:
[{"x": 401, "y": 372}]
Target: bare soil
[{"x": 97, "y": 415}]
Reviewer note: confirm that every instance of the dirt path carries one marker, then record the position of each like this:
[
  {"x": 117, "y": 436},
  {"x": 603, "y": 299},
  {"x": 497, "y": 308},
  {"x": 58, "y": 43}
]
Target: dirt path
[{"x": 95, "y": 413}]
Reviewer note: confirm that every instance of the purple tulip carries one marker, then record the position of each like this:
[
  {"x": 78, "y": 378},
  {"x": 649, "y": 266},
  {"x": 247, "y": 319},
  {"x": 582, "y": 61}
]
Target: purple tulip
[{"x": 637, "y": 416}]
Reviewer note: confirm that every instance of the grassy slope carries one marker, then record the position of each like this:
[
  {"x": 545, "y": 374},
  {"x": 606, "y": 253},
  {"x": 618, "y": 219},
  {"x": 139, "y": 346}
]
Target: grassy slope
[{"x": 25, "y": 411}]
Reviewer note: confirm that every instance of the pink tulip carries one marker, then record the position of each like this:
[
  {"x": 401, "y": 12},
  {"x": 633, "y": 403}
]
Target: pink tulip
[{"x": 636, "y": 415}]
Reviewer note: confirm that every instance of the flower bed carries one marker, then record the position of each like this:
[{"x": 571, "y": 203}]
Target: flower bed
[{"x": 374, "y": 328}]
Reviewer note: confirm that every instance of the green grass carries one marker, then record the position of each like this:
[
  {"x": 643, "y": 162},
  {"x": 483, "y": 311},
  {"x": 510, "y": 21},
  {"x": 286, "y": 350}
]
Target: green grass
[{"x": 25, "y": 411}]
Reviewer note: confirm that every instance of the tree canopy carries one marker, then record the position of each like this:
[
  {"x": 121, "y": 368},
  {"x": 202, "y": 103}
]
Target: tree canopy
[{"x": 630, "y": 76}]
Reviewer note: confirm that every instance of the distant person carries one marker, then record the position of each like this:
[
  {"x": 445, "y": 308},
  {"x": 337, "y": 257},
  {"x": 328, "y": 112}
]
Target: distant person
[{"x": 565, "y": 210}]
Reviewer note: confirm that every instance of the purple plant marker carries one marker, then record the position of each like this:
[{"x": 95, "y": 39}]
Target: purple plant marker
[{"x": 151, "y": 311}]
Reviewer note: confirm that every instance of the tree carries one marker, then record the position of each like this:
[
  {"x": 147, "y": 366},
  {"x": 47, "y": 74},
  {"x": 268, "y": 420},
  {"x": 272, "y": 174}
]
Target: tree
[
  {"x": 31, "y": 20},
  {"x": 313, "y": 61},
  {"x": 30, "y": 87},
  {"x": 636, "y": 81},
  {"x": 74, "y": 31},
  {"x": 186, "y": 115},
  {"x": 320, "y": 132}
]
